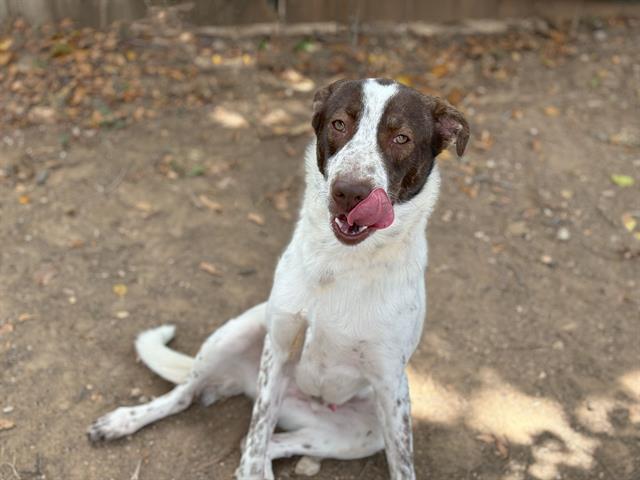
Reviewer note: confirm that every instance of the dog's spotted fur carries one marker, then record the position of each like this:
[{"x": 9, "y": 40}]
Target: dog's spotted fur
[{"x": 324, "y": 357}]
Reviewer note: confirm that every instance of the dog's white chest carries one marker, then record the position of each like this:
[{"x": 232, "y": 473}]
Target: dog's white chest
[{"x": 329, "y": 369}]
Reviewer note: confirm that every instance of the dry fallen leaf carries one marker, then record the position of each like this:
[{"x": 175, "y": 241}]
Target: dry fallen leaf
[
  {"x": 485, "y": 142},
  {"x": 281, "y": 200},
  {"x": 517, "y": 114},
  {"x": 546, "y": 259},
  {"x": 566, "y": 194},
  {"x": 23, "y": 317},
  {"x": 5, "y": 58},
  {"x": 551, "y": 111},
  {"x": 210, "y": 268},
  {"x": 5, "y": 328},
  {"x": 256, "y": 218},
  {"x": 144, "y": 206},
  {"x": 120, "y": 289},
  {"x": 404, "y": 79},
  {"x": 440, "y": 70},
  {"x": 629, "y": 222},
  {"x": 6, "y": 424},
  {"x": 210, "y": 204},
  {"x": 455, "y": 96},
  {"x": 276, "y": 117},
  {"x": 227, "y": 118},
  {"x": 5, "y": 44}
]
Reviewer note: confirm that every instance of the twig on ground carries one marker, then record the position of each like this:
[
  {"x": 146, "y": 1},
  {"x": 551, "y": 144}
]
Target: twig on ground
[
  {"x": 116, "y": 181},
  {"x": 12, "y": 467},
  {"x": 136, "y": 472}
]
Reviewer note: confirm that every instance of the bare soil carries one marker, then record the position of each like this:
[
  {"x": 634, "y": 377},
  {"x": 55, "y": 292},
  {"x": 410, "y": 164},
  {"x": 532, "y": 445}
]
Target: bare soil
[{"x": 530, "y": 362}]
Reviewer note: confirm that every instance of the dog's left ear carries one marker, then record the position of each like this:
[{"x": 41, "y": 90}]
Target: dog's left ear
[
  {"x": 319, "y": 102},
  {"x": 450, "y": 127}
]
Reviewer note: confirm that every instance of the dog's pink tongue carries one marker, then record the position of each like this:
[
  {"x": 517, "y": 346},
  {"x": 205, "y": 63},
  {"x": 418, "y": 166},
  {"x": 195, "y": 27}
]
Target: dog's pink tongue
[{"x": 374, "y": 211}]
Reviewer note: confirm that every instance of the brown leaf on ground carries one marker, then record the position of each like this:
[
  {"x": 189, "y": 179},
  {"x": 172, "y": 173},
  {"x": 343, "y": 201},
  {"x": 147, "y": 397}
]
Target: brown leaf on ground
[
  {"x": 281, "y": 200},
  {"x": 440, "y": 70},
  {"x": 210, "y": 204},
  {"x": 6, "y": 424},
  {"x": 5, "y": 58},
  {"x": 227, "y": 118},
  {"x": 455, "y": 97},
  {"x": 551, "y": 111},
  {"x": 5, "y": 44},
  {"x": 144, "y": 206},
  {"x": 256, "y": 218},
  {"x": 485, "y": 142},
  {"x": 210, "y": 268},
  {"x": 5, "y": 328},
  {"x": 120, "y": 289}
]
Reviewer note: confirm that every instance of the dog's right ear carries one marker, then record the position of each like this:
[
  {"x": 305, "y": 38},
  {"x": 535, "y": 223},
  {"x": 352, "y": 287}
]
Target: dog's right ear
[
  {"x": 319, "y": 103},
  {"x": 450, "y": 127}
]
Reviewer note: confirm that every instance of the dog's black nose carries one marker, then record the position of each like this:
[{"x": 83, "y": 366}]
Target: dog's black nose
[{"x": 348, "y": 194}]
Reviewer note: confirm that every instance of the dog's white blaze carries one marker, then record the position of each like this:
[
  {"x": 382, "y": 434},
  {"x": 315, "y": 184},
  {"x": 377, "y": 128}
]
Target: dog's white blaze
[{"x": 360, "y": 158}]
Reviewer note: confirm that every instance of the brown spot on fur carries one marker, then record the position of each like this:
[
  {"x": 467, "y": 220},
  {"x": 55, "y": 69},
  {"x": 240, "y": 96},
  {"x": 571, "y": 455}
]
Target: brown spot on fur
[
  {"x": 430, "y": 124},
  {"x": 342, "y": 100}
]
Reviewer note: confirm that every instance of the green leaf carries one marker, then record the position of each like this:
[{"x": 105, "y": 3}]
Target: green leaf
[
  {"x": 305, "y": 45},
  {"x": 196, "y": 171},
  {"x": 622, "y": 180}
]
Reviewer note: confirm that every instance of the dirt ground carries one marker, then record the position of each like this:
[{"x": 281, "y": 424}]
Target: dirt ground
[{"x": 120, "y": 220}]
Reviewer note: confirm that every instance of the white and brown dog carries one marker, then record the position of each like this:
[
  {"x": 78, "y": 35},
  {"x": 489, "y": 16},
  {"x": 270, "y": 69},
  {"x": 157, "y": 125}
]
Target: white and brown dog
[{"x": 324, "y": 358}]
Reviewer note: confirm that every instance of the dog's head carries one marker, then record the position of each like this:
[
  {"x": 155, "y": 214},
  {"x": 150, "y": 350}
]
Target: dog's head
[{"x": 376, "y": 145}]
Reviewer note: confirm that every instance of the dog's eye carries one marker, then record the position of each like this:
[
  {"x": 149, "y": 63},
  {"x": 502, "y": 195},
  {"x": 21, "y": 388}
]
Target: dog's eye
[
  {"x": 401, "y": 139},
  {"x": 338, "y": 125}
]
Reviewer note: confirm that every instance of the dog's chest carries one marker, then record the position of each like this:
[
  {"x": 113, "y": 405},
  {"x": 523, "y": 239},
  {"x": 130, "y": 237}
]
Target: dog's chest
[{"x": 329, "y": 368}]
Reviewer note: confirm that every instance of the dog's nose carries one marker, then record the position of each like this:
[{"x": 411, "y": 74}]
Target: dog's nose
[{"x": 347, "y": 194}]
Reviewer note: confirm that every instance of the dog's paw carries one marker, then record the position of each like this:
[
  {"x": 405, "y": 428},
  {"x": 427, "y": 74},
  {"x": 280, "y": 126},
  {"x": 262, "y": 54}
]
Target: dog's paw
[{"x": 112, "y": 425}]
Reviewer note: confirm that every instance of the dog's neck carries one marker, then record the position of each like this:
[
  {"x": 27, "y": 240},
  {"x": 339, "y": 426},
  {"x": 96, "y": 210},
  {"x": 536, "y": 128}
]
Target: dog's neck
[{"x": 403, "y": 240}]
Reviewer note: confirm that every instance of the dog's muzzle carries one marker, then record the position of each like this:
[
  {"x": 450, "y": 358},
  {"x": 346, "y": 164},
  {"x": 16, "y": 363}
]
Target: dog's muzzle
[{"x": 358, "y": 210}]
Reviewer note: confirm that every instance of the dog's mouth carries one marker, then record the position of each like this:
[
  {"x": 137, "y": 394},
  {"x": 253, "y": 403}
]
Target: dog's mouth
[
  {"x": 373, "y": 213},
  {"x": 349, "y": 234}
]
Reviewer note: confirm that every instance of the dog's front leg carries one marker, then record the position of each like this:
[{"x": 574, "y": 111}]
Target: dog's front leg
[
  {"x": 394, "y": 410},
  {"x": 272, "y": 384}
]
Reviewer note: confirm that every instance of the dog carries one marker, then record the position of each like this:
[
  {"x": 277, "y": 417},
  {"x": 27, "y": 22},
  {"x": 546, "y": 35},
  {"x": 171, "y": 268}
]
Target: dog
[{"x": 324, "y": 357}]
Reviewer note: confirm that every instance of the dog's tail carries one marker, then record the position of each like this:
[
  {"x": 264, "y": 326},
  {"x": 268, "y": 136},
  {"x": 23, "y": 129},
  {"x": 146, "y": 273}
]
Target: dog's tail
[{"x": 169, "y": 364}]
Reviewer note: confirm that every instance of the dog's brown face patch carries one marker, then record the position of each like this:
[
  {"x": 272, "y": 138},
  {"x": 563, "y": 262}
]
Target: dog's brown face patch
[
  {"x": 412, "y": 130},
  {"x": 336, "y": 113}
]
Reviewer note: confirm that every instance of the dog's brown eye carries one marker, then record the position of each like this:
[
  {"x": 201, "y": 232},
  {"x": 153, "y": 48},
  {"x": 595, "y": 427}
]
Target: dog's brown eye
[
  {"x": 401, "y": 139},
  {"x": 338, "y": 125}
]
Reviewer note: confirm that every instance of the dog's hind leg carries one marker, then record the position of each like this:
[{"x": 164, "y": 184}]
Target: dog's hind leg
[
  {"x": 227, "y": 364},
  {"x": 350, "y": 431},
  {"x": 324, "y": 443}
]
